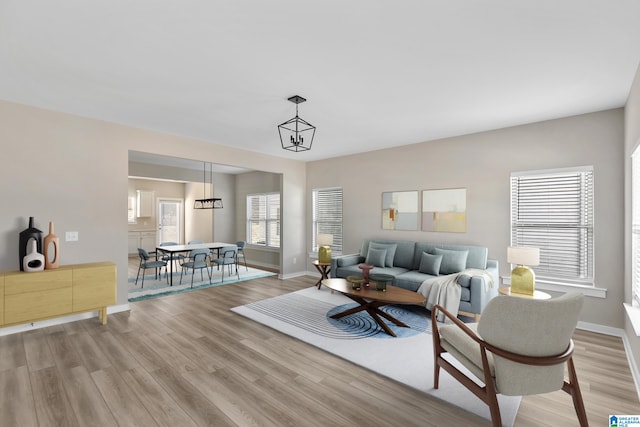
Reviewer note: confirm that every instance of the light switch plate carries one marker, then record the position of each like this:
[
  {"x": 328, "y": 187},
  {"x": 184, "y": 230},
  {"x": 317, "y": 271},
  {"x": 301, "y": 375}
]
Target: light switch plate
[{"x": 71, "y": 236}]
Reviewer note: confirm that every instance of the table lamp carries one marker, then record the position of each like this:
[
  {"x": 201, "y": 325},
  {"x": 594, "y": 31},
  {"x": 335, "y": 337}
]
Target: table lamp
[
  {"x": 523, "y": 279},
  {"x": 324, "y": 247}
]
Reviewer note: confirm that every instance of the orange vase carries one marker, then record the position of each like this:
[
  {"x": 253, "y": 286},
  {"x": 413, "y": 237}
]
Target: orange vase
[{"x": 51, "y": 246}]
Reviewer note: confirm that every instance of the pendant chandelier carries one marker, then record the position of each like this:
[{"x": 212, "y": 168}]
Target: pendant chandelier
[
  {"x": 211, "y": 202},
  {"x": 296, "y": 134}
]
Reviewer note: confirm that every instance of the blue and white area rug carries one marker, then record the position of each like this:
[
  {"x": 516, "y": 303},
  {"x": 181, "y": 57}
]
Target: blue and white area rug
[
  {"x": 408, "y": 359},
  {"x": 159, "y": 287}
]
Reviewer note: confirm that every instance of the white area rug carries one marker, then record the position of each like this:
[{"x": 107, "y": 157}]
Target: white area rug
[
  {"x": 407, "y": 359},
  {"x": 159, "y": 287}
]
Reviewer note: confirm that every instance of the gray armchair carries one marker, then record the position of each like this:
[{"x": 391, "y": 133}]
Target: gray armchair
[{"x": 519, "y": 347}]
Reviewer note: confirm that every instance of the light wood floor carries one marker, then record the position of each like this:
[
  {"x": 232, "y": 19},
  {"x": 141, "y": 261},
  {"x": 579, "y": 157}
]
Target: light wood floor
[{"x": 188, "y": 360}]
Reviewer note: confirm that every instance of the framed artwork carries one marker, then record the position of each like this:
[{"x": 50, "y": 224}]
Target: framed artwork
[
  {"x": 444, "y": 210},
  {"x": 400, "y": 210}
]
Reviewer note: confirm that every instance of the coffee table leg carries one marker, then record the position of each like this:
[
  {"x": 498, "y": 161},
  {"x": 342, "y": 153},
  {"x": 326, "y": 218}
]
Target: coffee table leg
[
  {"x": 350, "y": 311},
  {"x": 373, "y": 308},
  {"x": 374, "y": 313},
  {"x": 387, "y": 315}
]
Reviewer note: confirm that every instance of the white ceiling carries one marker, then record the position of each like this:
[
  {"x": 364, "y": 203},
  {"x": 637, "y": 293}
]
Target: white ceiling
[{"x": 376, "y": 73}]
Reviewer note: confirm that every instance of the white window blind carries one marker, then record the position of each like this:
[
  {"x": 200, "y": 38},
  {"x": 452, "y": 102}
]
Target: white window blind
[
  {"x": 327, "y": 216},
  {"x": 635, "y": 224},
  {"x": 263, "y": 219},
  {"x": 553, "y": 210}
]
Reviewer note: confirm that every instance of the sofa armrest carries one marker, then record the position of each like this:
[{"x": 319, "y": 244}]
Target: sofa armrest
[
  {"x": 344, "y": 261},
  {"x": 481, "y": 293}
]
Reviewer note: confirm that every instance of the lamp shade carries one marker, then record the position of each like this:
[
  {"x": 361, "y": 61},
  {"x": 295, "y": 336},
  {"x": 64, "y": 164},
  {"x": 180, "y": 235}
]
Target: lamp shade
[
  {"x": 325, "y": 239},
  {"x": 523, "y": 255}
]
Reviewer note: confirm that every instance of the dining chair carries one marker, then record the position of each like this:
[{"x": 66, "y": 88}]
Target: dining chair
[
  {"x": 146, "y": 264},
  {"x": 241, "y": 244},
  {"x": 177, "y": 258},
  {"x": 519, "y": 347},
  {"x": 197, "y": 260},
  {"x": 227, "y": 258}
]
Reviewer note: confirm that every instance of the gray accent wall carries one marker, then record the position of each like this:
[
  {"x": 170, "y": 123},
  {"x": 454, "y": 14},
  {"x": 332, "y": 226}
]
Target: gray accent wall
[{"x": 482, "y": 164}]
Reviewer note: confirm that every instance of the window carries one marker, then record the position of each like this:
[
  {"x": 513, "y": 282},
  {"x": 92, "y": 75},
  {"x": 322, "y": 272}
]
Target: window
[
  {"x": 263, "y": 219},
  {"x": 327, "y": 216},
  {"x": 553, "y": 210},
  {"x": 635, "y": 225}
]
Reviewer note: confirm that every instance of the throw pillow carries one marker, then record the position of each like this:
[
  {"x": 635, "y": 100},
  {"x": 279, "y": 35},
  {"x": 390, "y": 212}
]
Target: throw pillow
[
  {"x": 389, "y": 247},
  {"x": 430, "y": 264},
  {"x": 376, "y": 257},
  {"x": 452, "y": 261}
]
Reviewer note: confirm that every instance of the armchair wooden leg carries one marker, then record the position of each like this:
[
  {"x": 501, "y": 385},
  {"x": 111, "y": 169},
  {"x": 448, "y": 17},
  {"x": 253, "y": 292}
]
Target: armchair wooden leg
[
  {"x": 437, "y": 350},
  {"x": 492, "y": 401},
  {"x": 573, "y": 388}
]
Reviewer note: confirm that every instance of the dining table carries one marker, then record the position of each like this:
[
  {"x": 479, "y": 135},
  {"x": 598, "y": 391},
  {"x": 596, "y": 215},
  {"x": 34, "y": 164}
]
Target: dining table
[{"x": 171, "y": 250}]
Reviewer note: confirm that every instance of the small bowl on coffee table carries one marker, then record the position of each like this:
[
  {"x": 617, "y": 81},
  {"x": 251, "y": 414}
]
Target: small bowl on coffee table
[
  {"x": 356, "y": 282},
  {"x": 365, "y": 271},
  {"x": 381, "y": 281}
]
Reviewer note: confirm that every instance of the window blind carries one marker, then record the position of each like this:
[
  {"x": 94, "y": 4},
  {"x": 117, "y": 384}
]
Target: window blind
[
  {"x": 327, "y": 216},
  {"x": 263, "y": 219},
  {"x": 553, "y": 210}
]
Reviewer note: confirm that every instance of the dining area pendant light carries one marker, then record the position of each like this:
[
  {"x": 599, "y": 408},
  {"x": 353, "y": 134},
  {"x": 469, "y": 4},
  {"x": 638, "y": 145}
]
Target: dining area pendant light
[
  {"x": 296, "y": 134},
  {"x": 211, "y": 202}
]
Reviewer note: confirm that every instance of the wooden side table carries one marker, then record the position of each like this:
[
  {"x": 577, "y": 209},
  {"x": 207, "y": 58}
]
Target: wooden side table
[
  {"x": 324, "y": 268},
  {"x": 506, "y": 290}
]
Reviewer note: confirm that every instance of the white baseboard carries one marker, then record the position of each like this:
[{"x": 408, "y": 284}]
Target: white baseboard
[
  {"x": 59, "y": 320},
  {"x": 292, "y": 275},
  {"x": 616, "y": 332},
  {"x": 262, "y": 264},
  {"x": 601, "y": 329},
  {"x": 635, "y": 373}
]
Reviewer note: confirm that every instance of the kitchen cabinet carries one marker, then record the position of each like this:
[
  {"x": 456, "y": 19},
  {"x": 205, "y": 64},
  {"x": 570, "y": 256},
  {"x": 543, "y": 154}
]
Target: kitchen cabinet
[
  {"x": 141, "y": 239},
  {"x": 145, "y": 203},
  {"x": 133, "y": 242},
  {"x": 148, "y": 240}
]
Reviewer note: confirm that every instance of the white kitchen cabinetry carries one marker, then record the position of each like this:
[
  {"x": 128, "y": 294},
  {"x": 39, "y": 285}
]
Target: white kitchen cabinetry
[
  {"x": 141, "y": 239},
  {"x": 148, "y": 240},
  {"x": 133, "y": 242},
  {"x": 145, "y": 203}
]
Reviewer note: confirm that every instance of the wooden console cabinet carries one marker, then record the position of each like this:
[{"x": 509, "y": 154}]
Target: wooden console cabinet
[{"x": 29, "y": 297}]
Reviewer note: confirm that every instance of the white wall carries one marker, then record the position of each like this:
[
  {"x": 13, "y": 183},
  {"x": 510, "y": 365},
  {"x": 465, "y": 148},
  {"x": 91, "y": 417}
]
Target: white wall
[
  {"x": 73, "y": 171},
  {"x": 482, "y": 164},
  {"x": 632, "y": 140}
]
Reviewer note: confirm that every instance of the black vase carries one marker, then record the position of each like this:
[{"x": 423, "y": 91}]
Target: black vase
[{"x": 25, "y": 236}]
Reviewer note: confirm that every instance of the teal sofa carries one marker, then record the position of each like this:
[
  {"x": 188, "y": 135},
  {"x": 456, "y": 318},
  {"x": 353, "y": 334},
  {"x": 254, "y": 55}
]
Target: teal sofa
[{"x": 411, "y": 262}]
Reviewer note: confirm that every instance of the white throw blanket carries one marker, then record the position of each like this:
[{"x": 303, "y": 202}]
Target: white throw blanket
[{"x": 445, "y": 290}]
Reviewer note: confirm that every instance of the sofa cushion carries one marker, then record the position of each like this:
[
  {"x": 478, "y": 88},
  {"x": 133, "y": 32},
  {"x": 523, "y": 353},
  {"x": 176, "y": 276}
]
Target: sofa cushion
[
  {"x": 452, "y": 261},
  {"x": 349, "y": 260},
  {"x": 430, "y": 264},
  {"x": 477, "y": 258},
  {"x": 411, "y": 279},
  {"x": 404, "y": 252},
  {"x": 389, "y": 247},
  {"x": 376, "y": 257}
]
